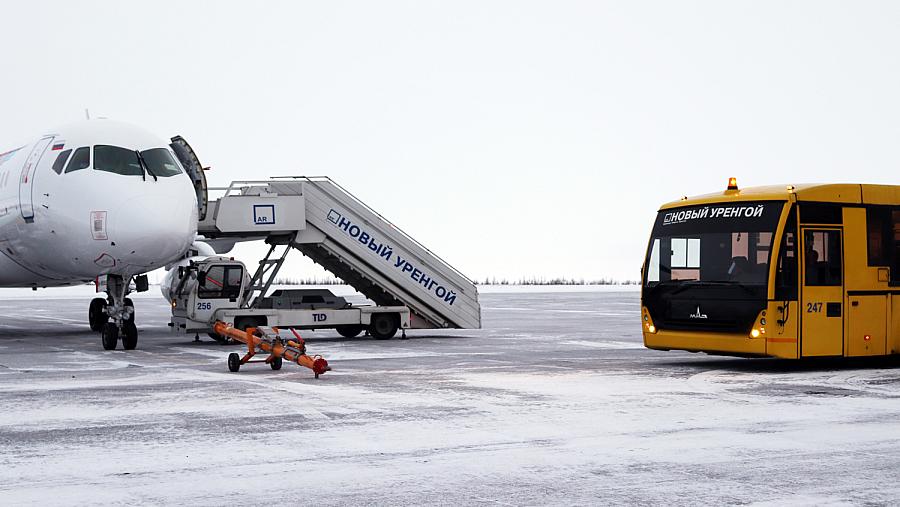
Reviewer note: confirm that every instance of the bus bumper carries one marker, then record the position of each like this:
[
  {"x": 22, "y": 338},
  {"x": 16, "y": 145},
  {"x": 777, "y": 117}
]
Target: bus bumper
[{"x": 714, "y": 343}]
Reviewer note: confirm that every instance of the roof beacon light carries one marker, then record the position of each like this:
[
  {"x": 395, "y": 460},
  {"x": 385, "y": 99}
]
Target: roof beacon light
[{"x": 732, "y": 183}]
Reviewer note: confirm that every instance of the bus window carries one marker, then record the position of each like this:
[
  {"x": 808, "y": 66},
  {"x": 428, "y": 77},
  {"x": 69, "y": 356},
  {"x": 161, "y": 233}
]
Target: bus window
[
  {"x": 878, "y": 236},
  {"x": 821, "y": 213},
  {"x": 823, "y": 258},
  {"x": 894, "y": 248},
  {"x": 653, "y": 264},
  {"x": 685, "y": 262},
  {"x": 786, "y": 275}
]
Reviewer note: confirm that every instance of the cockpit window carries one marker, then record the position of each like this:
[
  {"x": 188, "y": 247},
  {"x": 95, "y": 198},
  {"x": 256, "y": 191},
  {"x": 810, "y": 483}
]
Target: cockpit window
[
  {"x": 117, "y": 160},
  {"x": 80, "y": 160},
  {"x": 61, "y": 161},
  {"x": 159, "y": 162}
]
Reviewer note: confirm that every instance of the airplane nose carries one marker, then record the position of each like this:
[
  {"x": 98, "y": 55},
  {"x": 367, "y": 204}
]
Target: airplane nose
[{"x": 152, "y": 230}]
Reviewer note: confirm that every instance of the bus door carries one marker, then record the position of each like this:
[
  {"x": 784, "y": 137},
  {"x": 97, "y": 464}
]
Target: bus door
[{"x": 822, "y": 293}]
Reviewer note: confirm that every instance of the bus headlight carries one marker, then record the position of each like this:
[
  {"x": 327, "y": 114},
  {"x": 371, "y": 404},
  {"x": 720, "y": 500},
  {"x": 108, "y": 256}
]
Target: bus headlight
[
  {"x": 759, "y": 327},
  {"x": 648, "y": 322}
]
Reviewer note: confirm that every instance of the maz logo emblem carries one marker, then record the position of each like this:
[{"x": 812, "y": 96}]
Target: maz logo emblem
[{"x": 698, "y": 315}]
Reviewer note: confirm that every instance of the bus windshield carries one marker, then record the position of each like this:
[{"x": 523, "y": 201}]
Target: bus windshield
[{"x": 713, "y": 244}]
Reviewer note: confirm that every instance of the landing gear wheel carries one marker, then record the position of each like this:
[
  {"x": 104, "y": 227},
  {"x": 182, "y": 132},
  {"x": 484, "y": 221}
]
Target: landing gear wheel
[
  {"x": 276, "y": 363},
  {"x": 96, "y": 318},
  {"x": 109, "y": 335},
  {"x": 130, "y": 304},
  {"x": 350, "y": 331},
  {"x": 384, "y": 326},
  {"x": 130, "y": 338},
  {"x": 234, "y": 362}
]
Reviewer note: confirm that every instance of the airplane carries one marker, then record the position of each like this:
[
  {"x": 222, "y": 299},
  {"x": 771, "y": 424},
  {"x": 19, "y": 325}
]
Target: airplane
[{"x": 102, "y": 201}]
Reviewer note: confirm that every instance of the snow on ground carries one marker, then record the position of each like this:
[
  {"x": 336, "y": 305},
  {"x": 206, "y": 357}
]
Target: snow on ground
[{"x": 554, "y": 401}]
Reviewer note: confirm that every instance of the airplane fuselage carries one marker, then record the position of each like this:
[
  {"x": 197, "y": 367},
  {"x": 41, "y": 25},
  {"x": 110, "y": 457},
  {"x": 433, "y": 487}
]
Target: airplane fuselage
[{"x": 95, "y": 198}]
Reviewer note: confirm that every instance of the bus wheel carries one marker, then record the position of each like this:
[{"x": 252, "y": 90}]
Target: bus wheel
[
  {"x": 384, "y": 326},
  {"x": 350, "y": 331}
]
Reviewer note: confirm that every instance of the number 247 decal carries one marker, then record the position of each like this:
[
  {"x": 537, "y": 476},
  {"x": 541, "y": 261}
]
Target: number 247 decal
[{"x": 813, "y": 307}]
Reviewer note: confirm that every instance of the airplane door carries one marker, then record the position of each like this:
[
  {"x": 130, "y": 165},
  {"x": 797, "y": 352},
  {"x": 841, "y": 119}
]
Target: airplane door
[
  {"x": 822, "y": 293},
  {"x": 192, "y": 165},
  {"x": 26, "y": 180}
]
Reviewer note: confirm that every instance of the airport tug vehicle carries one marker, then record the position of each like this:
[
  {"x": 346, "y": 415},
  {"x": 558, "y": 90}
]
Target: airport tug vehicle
[{"x": 218, "y": 289}]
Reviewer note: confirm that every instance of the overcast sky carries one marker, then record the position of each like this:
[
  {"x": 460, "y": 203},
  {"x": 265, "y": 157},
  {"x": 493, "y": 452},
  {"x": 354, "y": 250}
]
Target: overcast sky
[{"x": 512, "y": 138}]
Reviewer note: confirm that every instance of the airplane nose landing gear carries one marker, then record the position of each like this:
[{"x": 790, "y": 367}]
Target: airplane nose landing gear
[{"x": 115, "y": 315}]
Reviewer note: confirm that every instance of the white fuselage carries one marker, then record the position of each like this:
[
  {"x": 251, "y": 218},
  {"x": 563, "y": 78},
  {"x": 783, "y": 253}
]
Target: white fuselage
[{"x": 102, "y": 214}]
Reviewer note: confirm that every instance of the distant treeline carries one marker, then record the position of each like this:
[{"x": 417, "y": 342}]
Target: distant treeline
[
  {"x": 539, "y": 280},
  {"x": 487, "y": 281}
]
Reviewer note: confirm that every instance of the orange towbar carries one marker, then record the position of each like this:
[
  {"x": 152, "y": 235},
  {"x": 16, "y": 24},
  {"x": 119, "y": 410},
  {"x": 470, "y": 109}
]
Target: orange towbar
[{"x": 266, "y": 339}]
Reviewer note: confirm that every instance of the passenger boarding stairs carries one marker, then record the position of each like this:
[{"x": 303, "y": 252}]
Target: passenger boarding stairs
[{"x": 338, "y": 231}]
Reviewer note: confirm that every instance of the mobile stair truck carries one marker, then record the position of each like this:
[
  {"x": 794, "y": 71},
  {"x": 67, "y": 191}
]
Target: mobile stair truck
[{"x": 412, "y": 288}]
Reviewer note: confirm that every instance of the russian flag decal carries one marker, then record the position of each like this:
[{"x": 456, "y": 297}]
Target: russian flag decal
[{"x": 57, "y": 147}]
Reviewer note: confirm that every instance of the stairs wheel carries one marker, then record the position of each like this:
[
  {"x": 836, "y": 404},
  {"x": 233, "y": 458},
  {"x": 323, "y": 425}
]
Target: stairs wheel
[
  {"x": 384, "y": 326},
  {"x": 350, "y": 331}
]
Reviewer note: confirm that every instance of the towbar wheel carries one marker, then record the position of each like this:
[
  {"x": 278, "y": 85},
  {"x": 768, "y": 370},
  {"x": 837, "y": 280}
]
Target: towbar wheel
[{"x": 234, "y": 362}]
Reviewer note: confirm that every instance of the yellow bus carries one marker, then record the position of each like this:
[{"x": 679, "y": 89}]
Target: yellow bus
[{"x": 790, "y": 271}]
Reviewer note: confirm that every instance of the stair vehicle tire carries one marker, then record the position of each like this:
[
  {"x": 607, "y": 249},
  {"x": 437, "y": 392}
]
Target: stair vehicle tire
[
  {"x": 130, "y": 335},
  {"x": 350, "y": 331},
  {"x": 96, "y": 318},
  {"x": 109, "y": 336},
  {"x": 246, "y": 323},
  {"x": 384, "y": 326}
]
